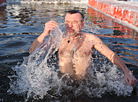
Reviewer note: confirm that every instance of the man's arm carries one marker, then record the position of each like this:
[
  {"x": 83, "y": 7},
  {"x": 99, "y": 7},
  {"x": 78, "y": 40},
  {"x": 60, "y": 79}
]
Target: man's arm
[
  {"x": 115, "y": 59},
  {"x": 37, "y": 42},
  {"x": 49, "y": 26}
]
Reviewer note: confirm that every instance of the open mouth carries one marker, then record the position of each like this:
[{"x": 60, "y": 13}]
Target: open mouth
[{"x": 71, "y": 30}]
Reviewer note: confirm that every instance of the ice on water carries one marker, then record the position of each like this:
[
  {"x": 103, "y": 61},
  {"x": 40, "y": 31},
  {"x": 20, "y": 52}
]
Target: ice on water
[{"x": 39, "y": 76}]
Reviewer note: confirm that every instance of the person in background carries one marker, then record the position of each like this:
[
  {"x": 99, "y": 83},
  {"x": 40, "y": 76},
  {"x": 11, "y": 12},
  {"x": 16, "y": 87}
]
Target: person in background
[{"x": 76, "y": 49}]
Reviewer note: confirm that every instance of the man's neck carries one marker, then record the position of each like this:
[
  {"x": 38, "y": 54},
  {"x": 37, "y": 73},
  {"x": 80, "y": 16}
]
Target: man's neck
[
  {"x": 72, "y": 38},
  {"x": 76, "y": 36}
]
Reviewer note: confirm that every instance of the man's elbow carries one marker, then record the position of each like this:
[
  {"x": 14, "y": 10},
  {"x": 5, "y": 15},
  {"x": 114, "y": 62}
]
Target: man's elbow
[
  {"x": 115, "y": 58},
  {"x": 31, "y": 50},
  {"x": 112, "y": 57}
]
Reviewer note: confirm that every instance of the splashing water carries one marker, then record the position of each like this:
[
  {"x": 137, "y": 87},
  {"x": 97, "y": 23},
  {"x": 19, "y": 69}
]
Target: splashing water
[{"x": 39, "y": 76}]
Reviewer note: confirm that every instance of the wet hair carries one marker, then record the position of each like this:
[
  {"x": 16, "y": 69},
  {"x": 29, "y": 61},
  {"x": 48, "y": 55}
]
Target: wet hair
[{"x": 76, "y": 11}]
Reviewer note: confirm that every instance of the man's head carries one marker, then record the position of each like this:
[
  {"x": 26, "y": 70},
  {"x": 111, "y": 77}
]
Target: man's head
[
  {"x": 76, "y": 11},
  {"x": 74, "y": 22}
]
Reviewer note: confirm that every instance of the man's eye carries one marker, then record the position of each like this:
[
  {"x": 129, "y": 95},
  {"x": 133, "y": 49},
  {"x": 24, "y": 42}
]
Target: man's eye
[
  {"x": 67, "y": 22},
  {"x": 74, "y": 22}
]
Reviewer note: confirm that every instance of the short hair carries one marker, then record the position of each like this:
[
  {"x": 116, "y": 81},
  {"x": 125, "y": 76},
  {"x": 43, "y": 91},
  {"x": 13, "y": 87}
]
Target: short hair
[{"x": 76, "y": 11}]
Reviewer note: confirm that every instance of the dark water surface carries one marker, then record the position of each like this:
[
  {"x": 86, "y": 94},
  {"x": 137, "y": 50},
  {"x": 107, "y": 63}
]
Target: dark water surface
[{"x": 20, "y": 24}]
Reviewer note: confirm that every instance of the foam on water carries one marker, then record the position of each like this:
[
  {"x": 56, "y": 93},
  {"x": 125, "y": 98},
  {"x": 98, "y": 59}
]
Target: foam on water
[{"x": 39, "y": 76}]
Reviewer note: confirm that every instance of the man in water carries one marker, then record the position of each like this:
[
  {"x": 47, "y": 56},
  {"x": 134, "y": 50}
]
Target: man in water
[{"x": 76, "y": 49}]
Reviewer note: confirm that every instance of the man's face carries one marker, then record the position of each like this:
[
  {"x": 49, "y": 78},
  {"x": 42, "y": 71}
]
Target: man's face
[{"x": 73, "y": 24}]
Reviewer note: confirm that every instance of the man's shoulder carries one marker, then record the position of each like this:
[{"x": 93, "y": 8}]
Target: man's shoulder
[{"x": 91, "y": 36}]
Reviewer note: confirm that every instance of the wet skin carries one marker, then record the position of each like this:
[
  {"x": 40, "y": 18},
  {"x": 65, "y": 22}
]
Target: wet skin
[
  {"x": 75, "y": 51},
  {"x": 75, "y": 56}
]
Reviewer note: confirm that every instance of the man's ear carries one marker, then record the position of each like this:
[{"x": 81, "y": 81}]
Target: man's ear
[{"x": 83, "y": 24}]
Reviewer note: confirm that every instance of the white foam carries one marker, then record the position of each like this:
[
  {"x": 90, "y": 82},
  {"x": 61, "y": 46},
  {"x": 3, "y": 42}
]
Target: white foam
[{"x": 38, "y": 76}]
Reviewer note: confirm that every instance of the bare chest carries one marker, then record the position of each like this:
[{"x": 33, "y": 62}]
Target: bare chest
[{"x": 77, "y": 48}]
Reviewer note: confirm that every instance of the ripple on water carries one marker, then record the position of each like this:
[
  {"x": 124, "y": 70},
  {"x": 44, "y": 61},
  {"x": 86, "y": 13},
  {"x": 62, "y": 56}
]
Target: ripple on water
[{"x": 20, "y": 24}]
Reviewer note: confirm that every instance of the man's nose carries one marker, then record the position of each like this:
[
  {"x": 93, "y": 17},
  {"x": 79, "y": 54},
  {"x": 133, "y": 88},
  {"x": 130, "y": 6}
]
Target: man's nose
[{"x": 70, "y": 24}]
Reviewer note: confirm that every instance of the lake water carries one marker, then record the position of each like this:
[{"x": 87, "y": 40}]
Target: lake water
[{"x": 20, "y": 24}]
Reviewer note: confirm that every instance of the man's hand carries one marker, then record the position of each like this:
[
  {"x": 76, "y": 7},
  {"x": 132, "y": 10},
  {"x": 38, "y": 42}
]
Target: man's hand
[
  {"x": 130, "y": 79},
  {"x": 49, "y": 26}
]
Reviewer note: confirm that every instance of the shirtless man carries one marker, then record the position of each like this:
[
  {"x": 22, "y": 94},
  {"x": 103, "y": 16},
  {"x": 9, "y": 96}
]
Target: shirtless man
[{"x": 75, "y": 51}]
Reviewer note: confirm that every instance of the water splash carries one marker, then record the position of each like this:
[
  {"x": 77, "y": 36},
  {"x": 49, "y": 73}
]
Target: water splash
[{"x": 39, "y": 76}]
